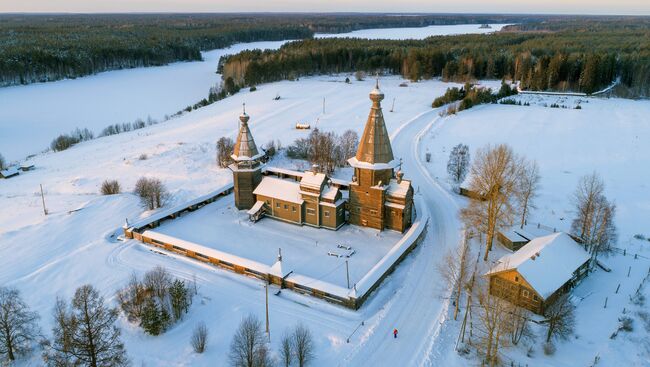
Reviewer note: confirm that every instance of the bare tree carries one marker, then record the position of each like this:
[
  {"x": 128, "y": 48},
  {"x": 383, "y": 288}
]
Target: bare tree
[
  {"x": 359, "y": 75},
  {"x": 18, "y": 325},
  {"x": 199, "y": 337},
  {"x": 561, "y": 318},
  {"x": 594, "y": 222},
  {"x": 3, "y": 163},
  {"x": 158, "y": 281},
  {"x": 495, "y": 177},
  {"x": 303, "y": 345},
  {"x": 458, "y": 163},
  {"x": 57, "y": 353},
  {"x": 348, "y": 144},
  {"x": 110, "y": 187},
  {"x": 132, "y": 298},
  {"x": 455, "y": 270},
  {"x": 519, "y": 326},
  {"x": 322, "y": 150},
  {"x": 152, "y": 192},
  {"x": 286, "y": 349},
  {"x": 85, "y": 333},
  {"x": 528, "y": 187},
  {"x": 493, "y": 314},
  {"x": 248, "y": 348},
  {"x": 225, "y": 148}
]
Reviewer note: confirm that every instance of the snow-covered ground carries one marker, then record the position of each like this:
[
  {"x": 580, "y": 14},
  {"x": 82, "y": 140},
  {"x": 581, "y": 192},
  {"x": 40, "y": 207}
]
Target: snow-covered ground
[
  {"x": 32, "y": 115},
  {"x": 415, "y": 33},
  {"x": 49, "y": 256},
  {"x": 608, "y": 136},
  {"x": 304, "y": 249}
]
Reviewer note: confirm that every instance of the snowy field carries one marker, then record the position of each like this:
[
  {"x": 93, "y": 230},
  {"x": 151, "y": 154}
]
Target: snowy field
[
  {"x": 49, "y": 256},
  {"x": 32, "y": 116},
  {"x": 609, "y": 136},
  {"x": 304, "y": 249},
  {"x": 415, "y": 33}
]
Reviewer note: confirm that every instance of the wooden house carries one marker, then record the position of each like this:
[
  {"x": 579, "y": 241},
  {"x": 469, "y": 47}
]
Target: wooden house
[
  {"x": 537, "y": 274},
  {"x": 516, "y": 237},
  {"x": 9, "y": 172}
]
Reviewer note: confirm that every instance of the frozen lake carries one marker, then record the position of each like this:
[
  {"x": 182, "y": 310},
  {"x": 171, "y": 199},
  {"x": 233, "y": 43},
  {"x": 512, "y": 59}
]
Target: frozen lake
[
  {"x": 415, "y": 33},
  {"x": 31, "y": 116}
]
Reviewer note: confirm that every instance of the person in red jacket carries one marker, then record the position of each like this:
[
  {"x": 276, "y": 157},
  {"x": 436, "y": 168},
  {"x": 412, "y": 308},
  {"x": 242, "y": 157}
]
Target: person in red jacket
[{"x": 395, "y": 333}]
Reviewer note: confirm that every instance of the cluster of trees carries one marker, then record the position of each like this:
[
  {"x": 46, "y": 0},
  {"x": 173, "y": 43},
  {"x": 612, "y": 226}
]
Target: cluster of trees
[
  {"x": 65, "y": 141},
  {"x": 249, "y": 346},
  {"x": 37, "y": 48},
  {"x": 585, "y": 60},
  {"x": 157, "y": 301},
  {"x": 327, "y": 150},
  {"x": 471, "y": 95},
  {"x": 83, "y": 332},
  {"x": 225, "y": 147}
]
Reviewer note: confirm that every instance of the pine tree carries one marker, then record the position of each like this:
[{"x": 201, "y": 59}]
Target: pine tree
[
  {"x": 180, "y": 299},
  {"x": 151, "y": 318}
]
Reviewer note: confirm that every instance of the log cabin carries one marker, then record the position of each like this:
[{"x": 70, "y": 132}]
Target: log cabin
[{"x": 537, "y": 274}]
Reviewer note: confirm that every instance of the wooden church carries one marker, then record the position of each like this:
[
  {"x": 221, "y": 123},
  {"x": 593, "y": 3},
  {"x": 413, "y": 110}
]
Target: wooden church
[{"x": 379, "y": 197}]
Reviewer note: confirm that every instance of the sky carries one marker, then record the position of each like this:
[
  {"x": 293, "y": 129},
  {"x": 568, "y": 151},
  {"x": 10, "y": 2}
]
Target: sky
[{"x": 633, "y": 7}]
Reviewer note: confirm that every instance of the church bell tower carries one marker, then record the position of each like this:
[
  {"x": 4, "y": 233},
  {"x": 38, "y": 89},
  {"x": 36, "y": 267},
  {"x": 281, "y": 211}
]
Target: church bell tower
[{"x": 247, "y": 168}]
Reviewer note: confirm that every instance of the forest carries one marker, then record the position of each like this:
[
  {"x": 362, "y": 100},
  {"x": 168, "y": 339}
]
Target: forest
[
  {"x": 580, "y": 55},
  {"x": 38, "y": 48}
]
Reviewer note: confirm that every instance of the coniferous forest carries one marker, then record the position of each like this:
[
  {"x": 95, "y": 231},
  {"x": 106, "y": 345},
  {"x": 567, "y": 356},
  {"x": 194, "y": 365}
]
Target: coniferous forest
[
  {"x": 570, "y": 54},
  {"x": 36, "y": 48}
]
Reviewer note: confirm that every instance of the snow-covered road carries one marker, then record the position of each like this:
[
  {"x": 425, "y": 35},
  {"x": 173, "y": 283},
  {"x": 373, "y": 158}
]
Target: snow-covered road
[{"x": 420, "y": 289}]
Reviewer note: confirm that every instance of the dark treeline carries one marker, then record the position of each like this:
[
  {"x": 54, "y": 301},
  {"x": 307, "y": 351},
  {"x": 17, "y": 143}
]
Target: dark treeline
[
  {"x": 574, "y": 59},
  {"x": 35, "y": 48}
]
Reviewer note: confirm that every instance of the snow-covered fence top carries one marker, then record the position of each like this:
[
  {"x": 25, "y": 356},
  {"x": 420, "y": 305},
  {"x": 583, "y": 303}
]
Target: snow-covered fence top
[{"x": 165, "y": 213}]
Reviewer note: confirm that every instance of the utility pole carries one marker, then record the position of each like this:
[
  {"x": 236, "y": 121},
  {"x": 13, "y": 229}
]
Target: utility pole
[
  {"x": 43, "y": 200},
  {"x": 323, "y": 105},
  {"x": 347, "y": 273},
  {"x": 268, "y": 331},
  {"x": 393, "y": 107}
]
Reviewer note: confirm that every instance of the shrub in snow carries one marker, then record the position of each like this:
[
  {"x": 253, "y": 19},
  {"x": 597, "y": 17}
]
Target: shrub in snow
[
  {"x": 252, "y": 89},
  {"x": 549, "y": 349},
  {"x": 143, "y": 157},
  {"x": 638, "y": 299},
  {"x": 110, "y": 187},
  {"x": 626, "y": 323},
  {"x": 152, "y": 192},
  {"x": 639, "y": 236},
  {"x": 225, "y": 147},
  {"x": 530, "y": 353},
  {"x": 199, "y": 337},
  {"x": 3, "y": 163},
  {"x": 63, "y": 142}
]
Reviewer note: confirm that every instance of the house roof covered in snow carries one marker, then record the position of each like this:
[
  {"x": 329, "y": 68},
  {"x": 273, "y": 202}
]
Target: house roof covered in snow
[
  {"x": 526, "y": 233},
  {"x": 398, "y": 189},
  {"x": 9, "y": 172},
  {"x": 313, "y": 180},
  {"x": 546, "y": 263},
  {"x": 279, "y": 189}
]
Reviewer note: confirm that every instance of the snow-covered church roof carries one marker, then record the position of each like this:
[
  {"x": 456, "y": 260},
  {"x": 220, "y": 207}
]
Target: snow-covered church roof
[{"x": 546, "y": 263}]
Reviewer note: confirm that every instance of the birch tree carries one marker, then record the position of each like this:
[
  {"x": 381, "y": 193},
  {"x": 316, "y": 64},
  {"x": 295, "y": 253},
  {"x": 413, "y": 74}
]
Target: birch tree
[
  {"x": 561, "y": 319},
  {"x": 495, "y": 177},
  {"x": 527, "y": 192},
  {"x": 494, "y": 315},
  {"x": 458, "y": 164},
  {"x": 248, "y": 348},
  {"x": 594, "y": 222},
  {"x": 455, "y": 270}
]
